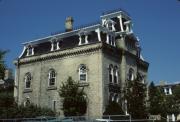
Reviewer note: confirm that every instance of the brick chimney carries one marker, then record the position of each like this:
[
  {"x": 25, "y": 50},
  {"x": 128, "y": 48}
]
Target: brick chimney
[{"x": 69, "y": 24}]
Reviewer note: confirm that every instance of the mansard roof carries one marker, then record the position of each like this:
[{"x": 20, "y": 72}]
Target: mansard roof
[{"x": 71, "y": 39}]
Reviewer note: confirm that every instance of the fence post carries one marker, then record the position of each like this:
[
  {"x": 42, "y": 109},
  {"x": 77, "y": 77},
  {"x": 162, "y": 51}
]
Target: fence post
[{"x": 130, "y": 117}]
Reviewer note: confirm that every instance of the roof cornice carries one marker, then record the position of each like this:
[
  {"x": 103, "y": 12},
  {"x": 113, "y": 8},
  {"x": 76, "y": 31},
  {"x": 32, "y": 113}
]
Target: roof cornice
[{"x": 62, "y": 53}]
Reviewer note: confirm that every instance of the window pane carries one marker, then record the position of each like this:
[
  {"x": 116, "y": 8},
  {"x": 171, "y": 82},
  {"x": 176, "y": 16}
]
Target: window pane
[
  {"x": 110, "y": 78},
  {"x": 83, "y": 77},
  {"x": 28, "y": 83},
  {"x": 83, "y": 39},
  {"x": 115, "y": 79},
  {"x": 52, "y": 81}
]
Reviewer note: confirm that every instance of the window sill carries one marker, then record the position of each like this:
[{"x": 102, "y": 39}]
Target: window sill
[
  {"x": 83, "y": 83},
  {"x": 27, "y": 90},
  {"x": 52, "y": 88}
]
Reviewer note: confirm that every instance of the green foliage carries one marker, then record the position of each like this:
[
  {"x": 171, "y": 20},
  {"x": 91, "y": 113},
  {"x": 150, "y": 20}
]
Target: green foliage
[
  {"x": 2, "y": 63},
  {"x": 156, "y": 100},
  {"x": 162, "y": 104},
  {"x": 31, "y": 111},
  {"x": 74, "y": 100},
  {"x": 176, "y": 93},
  {"x": 9, "y": 109},
  {"x": 113, "y": 108},
  {"x": 135, "y": 96}
]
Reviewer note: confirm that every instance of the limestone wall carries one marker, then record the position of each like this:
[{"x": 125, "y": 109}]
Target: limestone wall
[{"x": 64, "y": 67}]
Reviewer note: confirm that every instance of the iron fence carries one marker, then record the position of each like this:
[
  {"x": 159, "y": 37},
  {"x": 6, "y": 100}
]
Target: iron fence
[{"x": 106, "y": 118}]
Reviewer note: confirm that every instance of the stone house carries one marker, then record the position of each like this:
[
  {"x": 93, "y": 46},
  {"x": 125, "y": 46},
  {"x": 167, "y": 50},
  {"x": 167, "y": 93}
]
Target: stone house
[{"x": 101, "y": 56}]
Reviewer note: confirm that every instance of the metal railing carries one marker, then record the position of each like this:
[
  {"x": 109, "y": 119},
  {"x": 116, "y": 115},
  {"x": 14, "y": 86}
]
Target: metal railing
[{"x": 105, "y": 118}]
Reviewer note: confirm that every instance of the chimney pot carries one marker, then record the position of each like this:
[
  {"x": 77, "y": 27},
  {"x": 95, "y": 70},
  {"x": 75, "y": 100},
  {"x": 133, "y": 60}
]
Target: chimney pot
[{"x": 69, "y": 23}]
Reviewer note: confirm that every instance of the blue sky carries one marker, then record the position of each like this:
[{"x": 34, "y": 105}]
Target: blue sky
[{"x": 155, "y": 22}]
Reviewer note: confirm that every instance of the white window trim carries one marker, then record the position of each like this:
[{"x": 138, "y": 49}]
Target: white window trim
[
  {"x": 80, "y": 73},
  {"x": 26, "y": 80},
  {"x": 111, "y": 37},
  {"x": 168, "y": 90},
  {"x": 106, "y": 22},
  {"x": 54, "y": 42},
  {"x": 28, "y": 51},
  {"x": 86, "y": 39},
  {"x": 49, "y": 77}
]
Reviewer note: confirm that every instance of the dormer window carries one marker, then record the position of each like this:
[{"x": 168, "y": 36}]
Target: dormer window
[
  {"x": 83, "y": 37},
  {"x": 128, "y": 26},
  {"x": 30, "y": 51},
  {"x": 54, "y": 44},
  {"x": 168, "y": 91},
  {"x": 109, "y": 24},
  {"x": 110, "y": 39}
]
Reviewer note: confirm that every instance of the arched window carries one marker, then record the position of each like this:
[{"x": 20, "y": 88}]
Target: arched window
[
  {"x": 115, "y": 74},
  {"x": 82, "y": 72},
  {"x": 110, "y": 73},
  {"x": 52, "y": 77},
  {"x": 27, "y": 81},
  {"x": 131, "y": 74}
]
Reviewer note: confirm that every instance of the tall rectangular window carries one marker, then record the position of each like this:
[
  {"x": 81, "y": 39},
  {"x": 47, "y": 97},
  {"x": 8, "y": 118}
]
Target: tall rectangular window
[{"x": 82, "y": 73}]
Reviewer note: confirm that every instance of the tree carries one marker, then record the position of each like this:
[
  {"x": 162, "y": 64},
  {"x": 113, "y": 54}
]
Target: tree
[
  {"x": 172, "y": 102},
  {"x": 156, "y": 100},
  {"x": 113, "y": 108},
  {"x": 162, "y": 104},
  {"x": 2, "y": 63},
  {"x": 74, "y": 98},
  {"x": 135, "y": 95}
]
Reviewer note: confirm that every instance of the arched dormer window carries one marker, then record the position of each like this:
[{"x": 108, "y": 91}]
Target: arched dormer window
[
  {"x": 110, "y": 73},
  {"x": 83, "y": 73},
  {"x": 27, "y": 80},
  {"x": 54, "y": 44},
  {"x": 115, "y": 74},
  {"x": 30, "y": 50},
  {"x": 52, "y": 78},
  {"x": 83, "y": 37},
  {"x": 131, "y": 76},
  {"x": 109, "y": 24}
]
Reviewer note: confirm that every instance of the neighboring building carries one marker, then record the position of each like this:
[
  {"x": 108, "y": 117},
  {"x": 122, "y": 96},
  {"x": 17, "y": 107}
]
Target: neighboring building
[
  {"x": 8, "y": 80},
  {"x": 101, "y": 56},
  {"x": 168, "y": 89}
]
